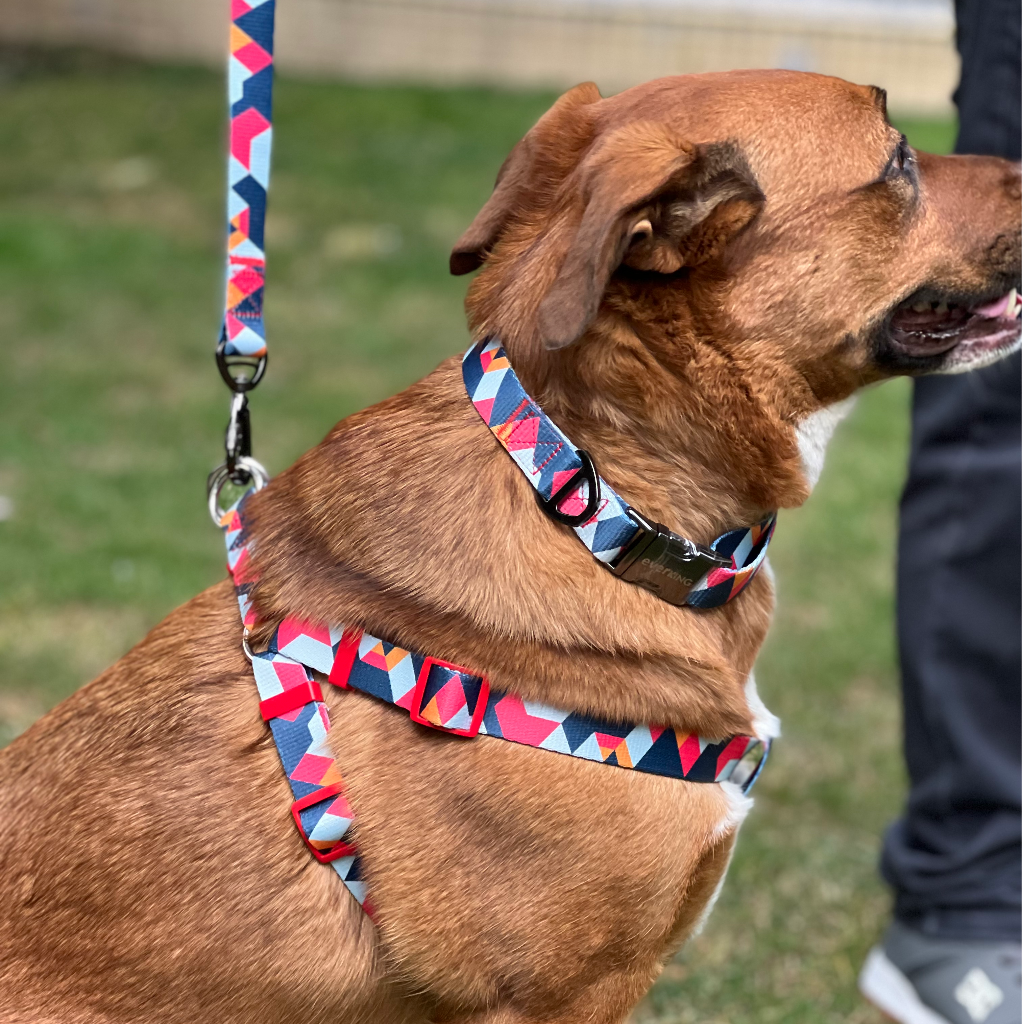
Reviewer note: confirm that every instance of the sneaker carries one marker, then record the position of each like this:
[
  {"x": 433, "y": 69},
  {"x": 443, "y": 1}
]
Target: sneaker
[{"x": 916, "y": 979}]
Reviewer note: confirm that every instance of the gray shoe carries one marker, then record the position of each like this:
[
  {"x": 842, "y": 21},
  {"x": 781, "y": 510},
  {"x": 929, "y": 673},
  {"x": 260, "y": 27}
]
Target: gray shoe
[{"x": 916, "y": 979}]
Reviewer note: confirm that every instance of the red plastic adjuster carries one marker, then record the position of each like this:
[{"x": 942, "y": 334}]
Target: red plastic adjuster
[
  {"x": 291, "y": 699},
  {"x": 421, "y": 686},
  {"x": 345, "y": 658},
  {"x": 340, "y": 848}
]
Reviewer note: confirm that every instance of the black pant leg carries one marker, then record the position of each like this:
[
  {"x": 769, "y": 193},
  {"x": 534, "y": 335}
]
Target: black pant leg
[
  {"x": 954, "y": 859},
  {"x": 988, "y": 97}
]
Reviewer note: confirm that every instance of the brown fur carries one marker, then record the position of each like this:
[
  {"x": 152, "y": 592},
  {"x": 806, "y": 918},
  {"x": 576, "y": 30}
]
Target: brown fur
[{"x": 680, "y": 274}]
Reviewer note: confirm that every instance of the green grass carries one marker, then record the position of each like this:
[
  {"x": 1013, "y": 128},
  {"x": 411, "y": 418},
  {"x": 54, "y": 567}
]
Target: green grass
[{"x": 111, "y": 414}]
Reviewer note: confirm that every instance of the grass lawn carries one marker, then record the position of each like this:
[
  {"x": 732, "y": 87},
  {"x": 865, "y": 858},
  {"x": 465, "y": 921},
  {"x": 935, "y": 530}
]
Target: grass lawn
[{"x": 111, "y": 415}]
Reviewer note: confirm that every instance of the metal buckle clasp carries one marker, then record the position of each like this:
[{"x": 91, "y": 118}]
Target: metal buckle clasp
[
  {"x": 746, "y": 770},
  {"x": 663, "y": 562}
]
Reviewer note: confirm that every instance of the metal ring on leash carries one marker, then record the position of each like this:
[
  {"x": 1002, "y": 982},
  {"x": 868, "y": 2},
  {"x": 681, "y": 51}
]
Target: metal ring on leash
[
  {"x": 239, "y": 382},
  {"x": 221, "y": 475}
]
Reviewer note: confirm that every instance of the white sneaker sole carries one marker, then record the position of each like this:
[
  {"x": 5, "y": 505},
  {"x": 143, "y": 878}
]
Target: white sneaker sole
[{"x": 881, "y": 982}]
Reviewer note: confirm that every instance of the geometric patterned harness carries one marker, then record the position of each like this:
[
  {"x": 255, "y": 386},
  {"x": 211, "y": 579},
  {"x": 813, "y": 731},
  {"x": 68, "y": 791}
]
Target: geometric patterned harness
[
  {"x": 434, "y": 693},
  {"x": 450, "y": 698},
  {"x": 439, "y": 695}
]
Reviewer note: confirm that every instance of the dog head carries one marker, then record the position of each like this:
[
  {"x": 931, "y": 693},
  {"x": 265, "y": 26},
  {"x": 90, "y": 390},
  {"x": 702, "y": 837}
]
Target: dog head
[{"x": 775, "y": 219}]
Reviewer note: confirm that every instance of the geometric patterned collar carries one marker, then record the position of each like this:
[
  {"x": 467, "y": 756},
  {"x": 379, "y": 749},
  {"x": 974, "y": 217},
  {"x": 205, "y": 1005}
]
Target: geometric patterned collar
[{"x": 570, "y": 490}]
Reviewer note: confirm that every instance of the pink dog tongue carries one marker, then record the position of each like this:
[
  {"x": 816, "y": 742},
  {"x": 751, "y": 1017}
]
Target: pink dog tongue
[{"x": 1008, "y": 306}]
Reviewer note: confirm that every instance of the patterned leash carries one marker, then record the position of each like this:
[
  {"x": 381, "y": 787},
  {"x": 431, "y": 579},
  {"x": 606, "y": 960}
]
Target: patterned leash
[{"x": 242, "y": 347}]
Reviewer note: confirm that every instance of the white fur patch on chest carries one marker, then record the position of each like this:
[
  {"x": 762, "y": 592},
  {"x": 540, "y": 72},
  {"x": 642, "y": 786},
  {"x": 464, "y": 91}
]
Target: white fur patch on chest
[
  {"x": 766, "y": 727},
  {"x": 813, "y": 434},
  {"x": 737, "y": 803}
]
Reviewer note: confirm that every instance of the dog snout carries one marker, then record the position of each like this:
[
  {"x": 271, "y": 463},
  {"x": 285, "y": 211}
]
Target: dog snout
[
  {"x": 1003, "y": 256},
  {"x": 974, "y": 211}
]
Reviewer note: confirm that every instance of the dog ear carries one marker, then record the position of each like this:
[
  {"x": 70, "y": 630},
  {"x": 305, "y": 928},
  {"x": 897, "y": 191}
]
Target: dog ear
[
  {"x": 553, "y": 140},
  {"x": 653, "y": 202}
]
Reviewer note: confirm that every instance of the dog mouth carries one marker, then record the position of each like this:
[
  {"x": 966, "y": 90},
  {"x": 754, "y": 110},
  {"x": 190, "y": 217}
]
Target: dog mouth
[{"x": 928, "y": 325}]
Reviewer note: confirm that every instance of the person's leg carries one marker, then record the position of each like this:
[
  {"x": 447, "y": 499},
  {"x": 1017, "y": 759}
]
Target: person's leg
[{"x": 954, "y": 859}]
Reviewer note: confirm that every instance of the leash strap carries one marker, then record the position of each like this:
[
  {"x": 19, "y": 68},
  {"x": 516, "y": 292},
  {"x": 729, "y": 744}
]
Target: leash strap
[
  {"x": 613, "y": 533},
  {"x": 439, "y": 695},
  {"x": 250, "y": 86},
  {"x": 242, "y": 350}
]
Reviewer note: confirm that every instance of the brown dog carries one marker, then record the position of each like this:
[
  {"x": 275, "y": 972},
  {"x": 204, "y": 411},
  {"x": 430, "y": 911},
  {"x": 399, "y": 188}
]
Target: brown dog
[{"x": 688, "y": 277}]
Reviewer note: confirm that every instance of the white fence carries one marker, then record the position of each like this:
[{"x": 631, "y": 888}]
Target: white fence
[{"x": 906, "y": 47}]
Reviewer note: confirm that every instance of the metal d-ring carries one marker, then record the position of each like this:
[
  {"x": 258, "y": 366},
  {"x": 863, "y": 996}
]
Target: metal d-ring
[
  {"x": 246, "y": 649},
  {"x": 587, "y": 472},
  {"x": 221, "y": 475}
]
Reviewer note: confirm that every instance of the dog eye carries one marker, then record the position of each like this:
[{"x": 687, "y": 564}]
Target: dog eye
[{"x": 900, "y": 161}]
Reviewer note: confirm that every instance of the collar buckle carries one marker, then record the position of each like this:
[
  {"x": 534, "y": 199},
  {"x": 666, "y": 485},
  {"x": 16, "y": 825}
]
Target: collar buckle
[{"x": 661, "y": 561}]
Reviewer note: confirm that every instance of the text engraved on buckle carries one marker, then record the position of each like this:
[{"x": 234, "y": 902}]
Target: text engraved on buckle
[{"x": 665, "y": 563}]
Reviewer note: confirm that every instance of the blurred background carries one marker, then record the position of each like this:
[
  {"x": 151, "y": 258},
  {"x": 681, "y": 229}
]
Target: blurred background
[{"x": 391, "y": 120}]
